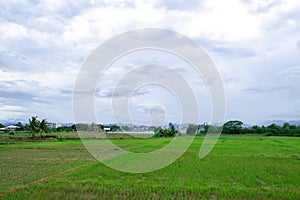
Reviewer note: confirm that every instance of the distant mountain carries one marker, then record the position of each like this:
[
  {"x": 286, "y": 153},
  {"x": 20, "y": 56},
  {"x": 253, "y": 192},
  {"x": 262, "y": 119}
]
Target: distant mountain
[
  {"x": 294, "y": 122},
  {"x": 67, "y": 124},
  {"x": 280, "y": 122},
  {"x": 246, "y": 125},
  {"x": 12, "y": 121}
]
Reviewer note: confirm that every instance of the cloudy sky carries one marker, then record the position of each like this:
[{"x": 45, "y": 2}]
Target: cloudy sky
[{"x": 254, "y": 44}]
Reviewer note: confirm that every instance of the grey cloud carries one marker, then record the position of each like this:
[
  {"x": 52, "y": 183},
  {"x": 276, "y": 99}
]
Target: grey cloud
[
  {"x": 233, "y": 51},
  {"x": 264, "y": 8},
  {"x": 122, "y": 91},
  {"x": 27, "y": 55},
  {"x": 266, "y": 89},
  {"x": 21, "y": 98},
  {"x": 157, "y": 110},
  {"x": 18, "y": 110},
  {"x": 11, "y": 61},
  {"x": 27, "y": 91},
  {"x": 232, "y": 80},
  {"x": 180, "y": 69},
  {"x": 141, "y": 92},
  {"x": 157, "y": 113},
  {"x": 282, "y": 26},
  {"x": 16, "y": 95},
  {"x": 16, "y": 84},
  {"x": 289, "y": 72},
  {"x": 286, "y": 115},
  {"x": 43, "y": 44},
  {"x": 144, "y": 108},
  {"x": 66, "y": 91},
  {"x": 191, "y": 5},
  {"x": 14, "y": 11},
  {"x": 104, "y": 93},
  {"x": 227, "y": 49},
  {"x": 239, "y": 52}
]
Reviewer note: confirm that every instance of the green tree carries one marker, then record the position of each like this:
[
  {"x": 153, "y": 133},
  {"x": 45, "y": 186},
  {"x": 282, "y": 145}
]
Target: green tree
[
  {"x": 34, "y": 125},
  {"x": 21, "y": 127},
  {"x": 73, "y": 127},
  {"x": 81, "y": 127},
  {"x": 115, "y": 128},
  {"x": 64, "y": 129},
  {"x": 192, "y": 129},
  {"x": 286, "y": 126},
  {"x": 274, "y": 129},
  {"x": 100, "y": 127},
  {"x": 172, "y": 130},
  {"x": 168, "y": 132},
  {"x": 232, "y": 127},
  {"x": 126, "y": 128},
  {"x": 43, "y": 127}
]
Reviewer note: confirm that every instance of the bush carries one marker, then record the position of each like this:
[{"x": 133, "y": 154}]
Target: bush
[
  {"x": 169, "y": 132},
  {"x": 11, "y": 133},
  {"x": 192, "y": 129}
]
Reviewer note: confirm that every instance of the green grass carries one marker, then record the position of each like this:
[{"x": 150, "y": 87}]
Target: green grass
[{"x": 239, "y": 167}]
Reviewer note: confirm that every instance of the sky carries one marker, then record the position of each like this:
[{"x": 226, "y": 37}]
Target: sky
[{"x": 255, "y": 46}]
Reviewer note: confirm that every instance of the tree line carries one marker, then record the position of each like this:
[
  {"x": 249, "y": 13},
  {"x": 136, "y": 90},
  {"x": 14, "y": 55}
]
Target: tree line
[
  {"x": 40, "y": 128},
  {"x": 34, "y": 126},
  {"x": 236, "y": 127}
]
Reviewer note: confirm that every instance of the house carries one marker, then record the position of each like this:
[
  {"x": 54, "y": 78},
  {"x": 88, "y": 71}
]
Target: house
[
  {"x": 54, "y": 125},
  {"x": 10, "y": 128},
  {"x": 107, "y": 129},
  {"x": 143, "y": 128}
]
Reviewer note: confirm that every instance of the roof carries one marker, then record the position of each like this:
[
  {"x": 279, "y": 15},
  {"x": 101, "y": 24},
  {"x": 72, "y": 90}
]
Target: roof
[{"x": 9, "y": 127}]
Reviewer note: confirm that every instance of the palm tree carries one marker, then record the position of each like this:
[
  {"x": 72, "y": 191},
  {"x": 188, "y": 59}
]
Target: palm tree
[
  {"x": 43, "y": 126},
  {"x": 34, "y": 126}
]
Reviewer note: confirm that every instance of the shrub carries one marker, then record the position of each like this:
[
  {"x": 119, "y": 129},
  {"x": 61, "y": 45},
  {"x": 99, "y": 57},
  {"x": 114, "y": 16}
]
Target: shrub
[
  {"x": 168, "y": 132},
  {"x": 192, "y": 129}
]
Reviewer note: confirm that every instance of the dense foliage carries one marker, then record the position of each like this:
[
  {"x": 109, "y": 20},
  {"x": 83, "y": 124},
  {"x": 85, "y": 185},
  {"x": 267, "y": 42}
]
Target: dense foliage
[
  {"x": 166, "y": 132},
  {"x": 38, "y": 127},
  {"x": 192, "y": 129},
  {"x": 233, "y": 127},
  {"x": 236, "y": 127}
]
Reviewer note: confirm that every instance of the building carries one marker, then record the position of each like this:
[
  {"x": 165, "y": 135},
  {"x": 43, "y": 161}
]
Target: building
[
  {"x": 107, "y": 129},
  {"x": 54, "y": 125},
  {"x": 10, "y": 128}
]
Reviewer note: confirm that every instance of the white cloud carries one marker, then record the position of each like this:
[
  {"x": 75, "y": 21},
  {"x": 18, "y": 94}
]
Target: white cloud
[
  {"x": 290, "y": 72},
  {"x": 254, "y": 44}
]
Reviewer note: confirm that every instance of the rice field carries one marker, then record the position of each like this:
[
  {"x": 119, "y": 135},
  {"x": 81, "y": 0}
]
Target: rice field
[{"x": 239, "y": 167}]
